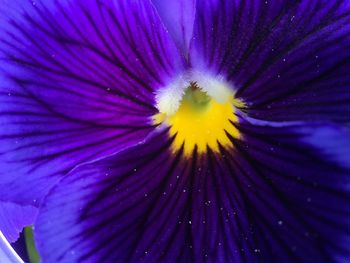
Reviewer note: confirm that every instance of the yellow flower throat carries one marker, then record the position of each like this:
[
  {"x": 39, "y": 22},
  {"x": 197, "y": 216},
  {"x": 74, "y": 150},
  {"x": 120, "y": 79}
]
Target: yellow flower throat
[{"x": 201, "y": 121}]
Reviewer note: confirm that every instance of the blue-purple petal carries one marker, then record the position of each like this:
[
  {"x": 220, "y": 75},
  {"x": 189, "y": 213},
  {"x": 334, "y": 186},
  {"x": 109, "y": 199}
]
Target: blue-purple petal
[
  {"x": 274, "y": 197},
  {"x": 332, "y": 141},
  {"x": 178, "y": 17},
  {"x": 14, "y": 217},
  {"x": 288, "y": 60},
  {"x": 77, "y": 83},
  {"x": 121, "y": 208}
]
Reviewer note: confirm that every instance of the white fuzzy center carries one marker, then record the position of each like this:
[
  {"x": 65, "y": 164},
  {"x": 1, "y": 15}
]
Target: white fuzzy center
[{"x": 169, "y": 97}]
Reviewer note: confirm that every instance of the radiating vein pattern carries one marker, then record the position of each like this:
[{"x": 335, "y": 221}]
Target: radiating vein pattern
[
  {"x": 78, "y": 84},
  {"x": 268, "y": 198},
  {"x": 288, "y": 59}
]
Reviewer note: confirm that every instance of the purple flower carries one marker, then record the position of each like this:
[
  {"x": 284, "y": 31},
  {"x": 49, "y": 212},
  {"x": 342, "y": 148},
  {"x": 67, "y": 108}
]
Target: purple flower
[{"x": 176, "y": 131}]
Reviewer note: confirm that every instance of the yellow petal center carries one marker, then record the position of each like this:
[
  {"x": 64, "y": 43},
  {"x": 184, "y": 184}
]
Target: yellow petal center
[{"x": 201, "y": 122}]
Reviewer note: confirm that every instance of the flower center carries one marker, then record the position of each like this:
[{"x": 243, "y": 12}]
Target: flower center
[{"x": 201, "y": 117}]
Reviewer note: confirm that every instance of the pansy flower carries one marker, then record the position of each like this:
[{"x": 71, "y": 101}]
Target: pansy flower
[{"x": 176, "y": 131}]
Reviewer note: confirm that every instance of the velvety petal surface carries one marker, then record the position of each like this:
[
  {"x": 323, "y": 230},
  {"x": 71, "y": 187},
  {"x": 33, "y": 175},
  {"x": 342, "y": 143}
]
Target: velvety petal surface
[
  {"x": 77, "y": 81},
  {"x": 275, "y": 196},
  {"x": 288, "y": 60},
  {"x": 13, "y": 217},
  {"x": 178, "y": 17}
]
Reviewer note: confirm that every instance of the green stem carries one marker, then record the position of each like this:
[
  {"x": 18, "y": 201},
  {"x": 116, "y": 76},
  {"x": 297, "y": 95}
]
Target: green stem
[{"x": 30, "y": 245}]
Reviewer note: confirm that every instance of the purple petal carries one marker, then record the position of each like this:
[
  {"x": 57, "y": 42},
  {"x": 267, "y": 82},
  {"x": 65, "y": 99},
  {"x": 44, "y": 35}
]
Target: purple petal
[
  {"x": 337, "y": 149},
  {"x": 110, "y": 209},
  {"x": 296, "y": 194},
  {"x": 14, "y": 217},
  {"x": 178, "y": 17},
  {"x": 274, "y": 198},
  {"x": 288, "y": 60},
  {"x": 77, "y": 83}
]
